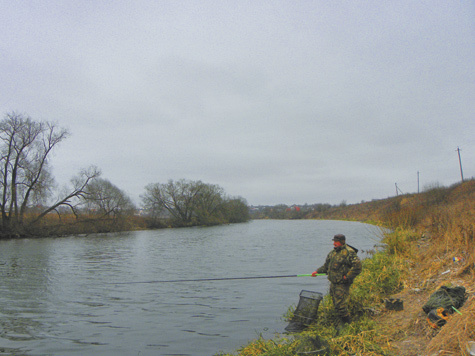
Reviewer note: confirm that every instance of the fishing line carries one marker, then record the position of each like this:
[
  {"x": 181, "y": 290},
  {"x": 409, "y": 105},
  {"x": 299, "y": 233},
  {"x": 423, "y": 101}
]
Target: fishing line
[{"x": 216, "y": 279}]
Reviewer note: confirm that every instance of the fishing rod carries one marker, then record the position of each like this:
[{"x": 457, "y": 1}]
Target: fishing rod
[{"x": 217, "y": 279}]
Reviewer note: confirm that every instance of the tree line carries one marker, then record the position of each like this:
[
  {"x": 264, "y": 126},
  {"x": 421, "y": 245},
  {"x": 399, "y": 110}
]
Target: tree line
[
  {"x": 283, "y": 211},
  {"x": 32, "y": 205}
]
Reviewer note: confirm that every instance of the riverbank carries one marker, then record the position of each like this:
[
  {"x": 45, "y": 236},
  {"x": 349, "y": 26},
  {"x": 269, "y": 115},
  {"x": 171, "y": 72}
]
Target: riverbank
[{"x": 429, "y": 230}]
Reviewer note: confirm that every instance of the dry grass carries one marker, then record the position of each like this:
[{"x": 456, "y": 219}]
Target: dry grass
[
  {"x": 434, "y": 227},
  {"x": 69, "y": 224},
  {"x": 409, "y": 330},
  {"x": 448, "y": 230}
]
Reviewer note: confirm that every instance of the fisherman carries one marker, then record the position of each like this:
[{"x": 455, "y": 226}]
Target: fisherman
[{"x": 341, "y": 266}]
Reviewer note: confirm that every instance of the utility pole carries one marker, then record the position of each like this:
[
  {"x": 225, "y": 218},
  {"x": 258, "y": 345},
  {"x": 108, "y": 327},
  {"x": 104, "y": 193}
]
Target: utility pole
[
  {"x": 460, "y": 163},
  {"x": 417, "y": 182}
]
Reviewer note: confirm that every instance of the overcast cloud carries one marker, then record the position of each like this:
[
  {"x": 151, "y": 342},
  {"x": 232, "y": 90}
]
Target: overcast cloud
[{"x": 275, "y": 101}]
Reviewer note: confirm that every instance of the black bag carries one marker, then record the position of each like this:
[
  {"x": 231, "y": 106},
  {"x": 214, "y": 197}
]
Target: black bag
[{"x": 446, "y": 297}]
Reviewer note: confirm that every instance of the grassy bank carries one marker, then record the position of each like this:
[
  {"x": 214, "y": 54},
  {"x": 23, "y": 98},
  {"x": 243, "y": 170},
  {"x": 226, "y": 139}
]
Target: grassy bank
[{"x": 428, "y": 230}]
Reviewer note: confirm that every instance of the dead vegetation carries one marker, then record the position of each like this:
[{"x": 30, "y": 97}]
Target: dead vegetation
[
  {"x": 446, "y": 227},
  {"x": 442, "y": 220},
  {"x": 408, "y": 330}
]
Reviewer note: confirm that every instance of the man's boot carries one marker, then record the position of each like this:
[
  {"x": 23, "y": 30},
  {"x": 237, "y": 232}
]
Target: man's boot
[{"x": 344, "y": 321}]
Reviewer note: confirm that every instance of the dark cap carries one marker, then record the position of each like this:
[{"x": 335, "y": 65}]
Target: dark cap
[{"x": 340, "y": 238}]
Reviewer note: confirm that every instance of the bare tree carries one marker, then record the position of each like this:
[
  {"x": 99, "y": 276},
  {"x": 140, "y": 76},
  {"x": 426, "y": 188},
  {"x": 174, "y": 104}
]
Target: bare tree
[
  {"x": 106, "y": 200},
  {"x": 75, "y": 197},
  {"x": 193, "y": 203},
  {"x": 208, "y": 203},
  {"x": 25, "y": 177},
  {"x": 176, "y": 198}
]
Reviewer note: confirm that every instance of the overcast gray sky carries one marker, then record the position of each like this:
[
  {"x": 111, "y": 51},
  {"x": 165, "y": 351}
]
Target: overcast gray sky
[{"x": 275, "y": 101}]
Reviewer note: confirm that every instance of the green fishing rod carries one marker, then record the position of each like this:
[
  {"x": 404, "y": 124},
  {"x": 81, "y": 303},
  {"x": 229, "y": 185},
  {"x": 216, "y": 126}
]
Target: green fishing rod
[{"x": 217, "y": 279}]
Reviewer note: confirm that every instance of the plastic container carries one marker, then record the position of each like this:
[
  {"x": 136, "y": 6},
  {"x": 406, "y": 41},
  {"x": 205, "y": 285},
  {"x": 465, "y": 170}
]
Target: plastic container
[{"x": 471, "y": 347}]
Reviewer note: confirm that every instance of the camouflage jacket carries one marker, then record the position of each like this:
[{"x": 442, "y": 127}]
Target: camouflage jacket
[{"x": 340, "y": 262}]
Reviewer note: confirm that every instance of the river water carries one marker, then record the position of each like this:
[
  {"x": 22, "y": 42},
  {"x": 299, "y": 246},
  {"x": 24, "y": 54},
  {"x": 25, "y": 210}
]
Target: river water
[{"x": 80, "y": 296}]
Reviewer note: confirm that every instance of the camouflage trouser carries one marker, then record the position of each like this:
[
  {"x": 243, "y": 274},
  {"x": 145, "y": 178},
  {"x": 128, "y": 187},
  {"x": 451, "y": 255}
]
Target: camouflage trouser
[{"x": 340, "y": 294}]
